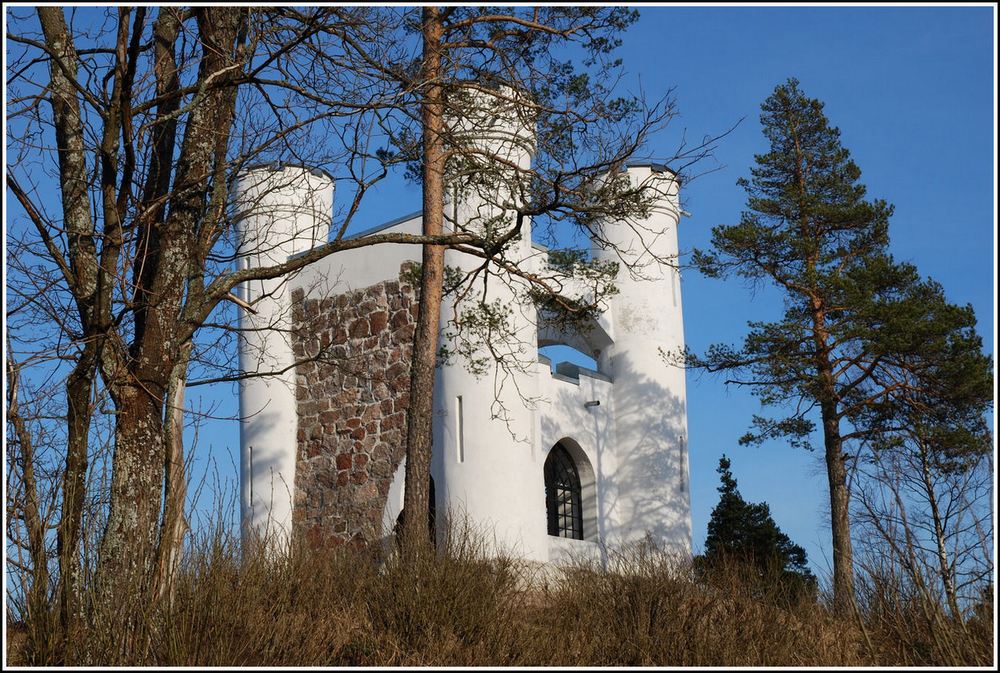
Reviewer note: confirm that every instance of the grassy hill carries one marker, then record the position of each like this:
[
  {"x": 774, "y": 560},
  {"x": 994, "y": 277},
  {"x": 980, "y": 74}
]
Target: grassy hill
[{"x": 355, "y": 606}]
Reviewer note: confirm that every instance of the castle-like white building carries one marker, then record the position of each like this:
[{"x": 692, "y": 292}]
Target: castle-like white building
[{"x": 583, "y": 459}]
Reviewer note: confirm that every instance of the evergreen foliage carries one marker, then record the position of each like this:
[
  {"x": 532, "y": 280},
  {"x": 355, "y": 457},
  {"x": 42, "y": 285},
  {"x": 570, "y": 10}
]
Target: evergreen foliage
[
  {"x": 744, "y": 532},
  {"x": 943, "y": 381},
  {"x": 865, "y": 345}
]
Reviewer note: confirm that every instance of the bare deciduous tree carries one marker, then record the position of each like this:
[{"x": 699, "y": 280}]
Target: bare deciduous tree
[
  {"x": 141, "y": 119},
  {"x": 928, "y": 524}
]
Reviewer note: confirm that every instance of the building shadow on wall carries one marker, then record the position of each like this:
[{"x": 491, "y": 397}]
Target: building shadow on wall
[{"x": 641, "y": 463}]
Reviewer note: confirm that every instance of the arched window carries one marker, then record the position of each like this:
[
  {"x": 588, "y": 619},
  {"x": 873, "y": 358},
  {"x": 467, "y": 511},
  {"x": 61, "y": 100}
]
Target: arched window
[{"x": 563, "y": 495}]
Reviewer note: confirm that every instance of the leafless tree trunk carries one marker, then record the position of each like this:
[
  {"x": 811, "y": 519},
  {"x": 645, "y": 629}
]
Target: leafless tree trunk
[
  {"x": 174, "y": 525},
  {"x": 92, "y": 290},
  {"x": 129, "y": 547},
  {"x": 25, "y": 507},
  {"x": 938, "y": 529},
  {"x": 930, "y": 525}
]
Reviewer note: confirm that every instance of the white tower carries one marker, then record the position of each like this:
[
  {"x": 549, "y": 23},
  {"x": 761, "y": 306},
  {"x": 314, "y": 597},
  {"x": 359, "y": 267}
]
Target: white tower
[
  {"x": 646, "y": 486},
  {"x": 284, "y": 210},
  {"x": 483, "y": 459}
]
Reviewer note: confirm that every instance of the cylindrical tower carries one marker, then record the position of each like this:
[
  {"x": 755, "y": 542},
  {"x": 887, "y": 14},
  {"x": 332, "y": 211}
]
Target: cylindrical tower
[
  {"x": 484, "y": 441},
  {"x": 489, "y": 174},
  {"x": 283, "y": 210},
  {"x": 646, "y": 480}
]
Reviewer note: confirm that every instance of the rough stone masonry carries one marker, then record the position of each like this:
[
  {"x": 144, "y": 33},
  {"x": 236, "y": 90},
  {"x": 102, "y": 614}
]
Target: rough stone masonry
[{"x": 352, "y": 396}]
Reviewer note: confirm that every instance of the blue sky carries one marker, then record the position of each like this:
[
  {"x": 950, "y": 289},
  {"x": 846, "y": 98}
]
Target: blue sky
[{"x": 912, "y": 91}]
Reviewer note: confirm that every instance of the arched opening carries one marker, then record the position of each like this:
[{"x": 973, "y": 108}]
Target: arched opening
[
  {"x": 570, "y": 492},
  {"x": 563, "y": 495}
]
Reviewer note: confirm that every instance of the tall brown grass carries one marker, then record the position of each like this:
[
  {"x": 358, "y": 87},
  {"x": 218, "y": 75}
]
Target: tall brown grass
[{"x": 361, "y": 606}]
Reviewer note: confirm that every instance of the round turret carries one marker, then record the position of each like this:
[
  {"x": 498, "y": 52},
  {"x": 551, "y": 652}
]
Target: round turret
[
  {"x": 484, "y": 443},
  {"x": 283, "y": 211},
  {"x": 493, "y": 141},
  {"x": 648, "y": 461}
]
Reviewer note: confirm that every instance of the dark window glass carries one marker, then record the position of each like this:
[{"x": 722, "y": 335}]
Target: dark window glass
[{"x": 563, "y": 495}]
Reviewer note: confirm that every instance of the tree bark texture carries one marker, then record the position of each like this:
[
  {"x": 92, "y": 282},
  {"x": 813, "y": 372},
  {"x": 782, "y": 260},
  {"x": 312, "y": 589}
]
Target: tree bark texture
[
  {"x": 840, "y": 525},
  {"x": 836, "y": 470},
  {"x": 84, "y": 281},
  {"x": 129, "y": 540},
  {"x": 425, "y": 345},
  {"x": 148, "y": 428}
]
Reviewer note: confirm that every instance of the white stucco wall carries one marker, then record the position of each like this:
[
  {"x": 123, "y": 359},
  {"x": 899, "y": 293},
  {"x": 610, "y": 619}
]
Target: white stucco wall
[
  {"x": 490, "y": 449},
  {"x": 650, "y": 427},
  {"x": 283, "y": 211}
]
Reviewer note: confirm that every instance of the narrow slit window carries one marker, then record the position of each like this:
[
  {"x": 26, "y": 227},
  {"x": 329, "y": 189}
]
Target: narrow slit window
[{"x": 459, "y": 430}]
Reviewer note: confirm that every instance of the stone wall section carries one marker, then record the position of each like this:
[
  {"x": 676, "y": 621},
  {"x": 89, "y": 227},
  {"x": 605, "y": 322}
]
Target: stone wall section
[{"x": 352, "y": 397}]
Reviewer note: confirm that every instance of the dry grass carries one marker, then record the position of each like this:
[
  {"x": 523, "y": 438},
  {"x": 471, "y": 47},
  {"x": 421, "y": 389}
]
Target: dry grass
[{"x": 349, "y": 606}]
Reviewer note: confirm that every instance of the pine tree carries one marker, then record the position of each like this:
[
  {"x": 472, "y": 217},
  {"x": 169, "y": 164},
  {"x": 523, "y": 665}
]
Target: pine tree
[
  {"x": 582, "y": 133},
  {"x": 745, "y": 533},
  {"x": 860, "y": 331}
]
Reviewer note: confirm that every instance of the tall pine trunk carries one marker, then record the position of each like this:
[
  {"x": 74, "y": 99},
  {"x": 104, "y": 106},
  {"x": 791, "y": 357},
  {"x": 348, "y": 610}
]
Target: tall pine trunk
[
  {"x": 416, "y": 502},
  {"x": 833, "y": 443},
  {"x": 840, "y": 525},
  {"x": 836, "y": 470}
]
